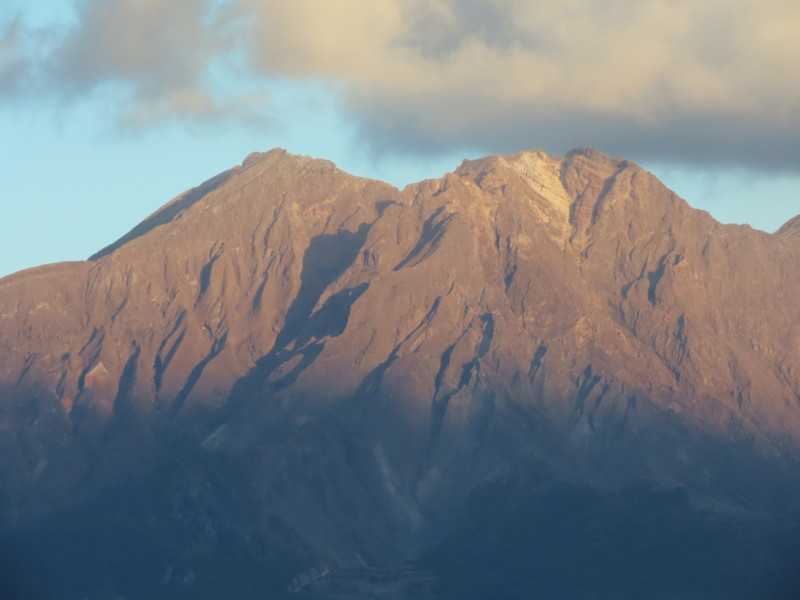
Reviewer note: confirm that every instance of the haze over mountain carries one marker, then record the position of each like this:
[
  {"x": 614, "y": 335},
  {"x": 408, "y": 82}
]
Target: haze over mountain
[{"x": 533, "y": 375}]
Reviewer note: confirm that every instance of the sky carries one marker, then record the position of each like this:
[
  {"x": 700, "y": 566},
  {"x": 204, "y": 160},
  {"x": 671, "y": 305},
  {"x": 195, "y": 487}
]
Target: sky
[{"x": 109, "y": 108}]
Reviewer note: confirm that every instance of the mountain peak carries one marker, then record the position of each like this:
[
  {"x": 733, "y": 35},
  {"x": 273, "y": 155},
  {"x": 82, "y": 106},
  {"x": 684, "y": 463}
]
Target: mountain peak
[
  {"x": 255, "y": 157},
  {"x": 790, "y": 228},
  {"x": 277, "y": 160},
  {"x": 538, "y": 172},
  {"x": 281, "y": 156},
  {"x": 592, "y": 154}
]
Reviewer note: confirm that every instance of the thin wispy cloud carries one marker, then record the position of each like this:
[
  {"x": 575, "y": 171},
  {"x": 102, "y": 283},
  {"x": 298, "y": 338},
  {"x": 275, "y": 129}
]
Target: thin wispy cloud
[{"x": 680, "y": 81}]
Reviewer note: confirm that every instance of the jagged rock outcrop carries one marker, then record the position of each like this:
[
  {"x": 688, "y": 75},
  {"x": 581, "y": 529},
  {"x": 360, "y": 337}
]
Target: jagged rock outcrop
[{"x": 369, "y": 357}]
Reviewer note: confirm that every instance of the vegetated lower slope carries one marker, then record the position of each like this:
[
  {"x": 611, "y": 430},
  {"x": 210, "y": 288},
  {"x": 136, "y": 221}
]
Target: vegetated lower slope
[{"x": 305, "y": 368}]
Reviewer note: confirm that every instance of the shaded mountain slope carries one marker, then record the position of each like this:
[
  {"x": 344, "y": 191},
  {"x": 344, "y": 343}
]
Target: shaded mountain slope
[{"x": 369, "y": 357}]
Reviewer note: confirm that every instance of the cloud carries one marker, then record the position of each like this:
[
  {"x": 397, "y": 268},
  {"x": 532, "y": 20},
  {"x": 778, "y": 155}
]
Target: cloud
[
  {"x": 150, "y": 61},
  {"x": 153, "y": 44},
  {"x": 161, "y": 54},
  {"x": 15, "y": 67},
  {"x": 198, "y": 106},
  {"x": 669, "y": 80},
  {"x": 666, "y": 80}
]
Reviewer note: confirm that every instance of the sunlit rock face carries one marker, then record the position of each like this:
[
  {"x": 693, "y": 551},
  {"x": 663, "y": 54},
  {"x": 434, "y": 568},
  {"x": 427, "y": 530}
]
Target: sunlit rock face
[{"x": 321, "y": 369}]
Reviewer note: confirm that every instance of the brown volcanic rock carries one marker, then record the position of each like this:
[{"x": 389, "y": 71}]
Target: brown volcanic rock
[{"x": 369, "y": 355}]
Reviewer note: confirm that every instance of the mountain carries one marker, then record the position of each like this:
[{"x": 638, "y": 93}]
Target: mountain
[
  {"x": 790, "y": 228},
  {"x": 533, "y": 375}
]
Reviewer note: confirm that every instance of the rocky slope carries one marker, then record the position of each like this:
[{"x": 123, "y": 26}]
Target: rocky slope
[{"x": 329, "y": 369}]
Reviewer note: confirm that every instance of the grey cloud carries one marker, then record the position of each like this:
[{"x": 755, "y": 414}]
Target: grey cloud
[
  {"x": 445, "y": 123},
  {"x": 437, "y": 30},
  {"x": 160, "y": 52},
  {"x": 15, "y": 64},
  {"x": 154, "y": 61},
  {"x": 152, "y": 44}
]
